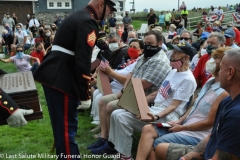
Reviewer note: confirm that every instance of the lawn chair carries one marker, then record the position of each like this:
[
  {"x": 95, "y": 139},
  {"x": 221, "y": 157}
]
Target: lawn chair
[{"x": 143, "y": 29}]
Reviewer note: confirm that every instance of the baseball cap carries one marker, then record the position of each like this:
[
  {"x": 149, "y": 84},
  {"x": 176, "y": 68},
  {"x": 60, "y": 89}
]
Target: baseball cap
[
  {"x": 184, "y": 47},
  {"x": 204, "y": 35},
  {"x": 229, "y": 33},
  {"x": 112, "y": 3},
  {"x": 229, "y": 24}
]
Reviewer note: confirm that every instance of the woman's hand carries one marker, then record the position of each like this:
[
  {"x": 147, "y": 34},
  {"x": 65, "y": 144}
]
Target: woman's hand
[{"x": 107, "y": 70}]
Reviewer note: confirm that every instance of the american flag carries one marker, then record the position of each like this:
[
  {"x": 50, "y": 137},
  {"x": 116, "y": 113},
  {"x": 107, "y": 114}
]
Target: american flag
[
  {"x": 104, "y": 63},
  {"x": 207, "y": 74},
  {"x": 165, "y": 89}
]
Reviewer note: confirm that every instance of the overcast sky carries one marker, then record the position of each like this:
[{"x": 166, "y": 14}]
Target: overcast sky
[{"x": 170, "y": 4}]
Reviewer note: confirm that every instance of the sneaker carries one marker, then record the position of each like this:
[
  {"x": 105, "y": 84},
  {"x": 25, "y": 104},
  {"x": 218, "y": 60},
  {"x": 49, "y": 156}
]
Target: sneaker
[
  {"x": 105, "y": 149},
  {"x": 101, "y": 141},
  {"x": 95, "y": 122}
]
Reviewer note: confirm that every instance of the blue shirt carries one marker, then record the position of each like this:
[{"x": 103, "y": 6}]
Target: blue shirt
[
  {"x": 226, "y": 130},
  {"x": 161, "y": 19},
  {"x": 112, "y": 22}
]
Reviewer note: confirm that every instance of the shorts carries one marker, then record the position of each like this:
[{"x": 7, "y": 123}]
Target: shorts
[
  {"x": 26, "y": 46},
  {"x": 175, "y": 151},
  {"x": 167, "y": 23},
  {"x": 112, "y": 100}
]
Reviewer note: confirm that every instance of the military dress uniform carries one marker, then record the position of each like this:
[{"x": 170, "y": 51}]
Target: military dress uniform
[
  {"x": 65, "y": 76},
  {"x": 7, "y": 105}
]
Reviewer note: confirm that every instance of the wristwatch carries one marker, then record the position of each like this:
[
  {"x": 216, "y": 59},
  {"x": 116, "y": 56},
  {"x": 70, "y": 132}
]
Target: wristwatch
[{"x": 157, "y": 116}]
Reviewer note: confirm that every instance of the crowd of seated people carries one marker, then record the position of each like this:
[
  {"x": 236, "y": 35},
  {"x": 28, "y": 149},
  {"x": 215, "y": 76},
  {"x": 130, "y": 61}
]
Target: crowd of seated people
[{"x": 189, "y": 126}]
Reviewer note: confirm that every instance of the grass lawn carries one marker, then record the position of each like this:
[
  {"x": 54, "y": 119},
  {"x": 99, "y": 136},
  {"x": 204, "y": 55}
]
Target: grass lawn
[
  {"x": 36, "y": 137},
  {"x": 137, "y": 24}
]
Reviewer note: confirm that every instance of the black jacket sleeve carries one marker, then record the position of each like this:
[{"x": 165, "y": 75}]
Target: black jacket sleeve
[{"x": 86, "y": 38}]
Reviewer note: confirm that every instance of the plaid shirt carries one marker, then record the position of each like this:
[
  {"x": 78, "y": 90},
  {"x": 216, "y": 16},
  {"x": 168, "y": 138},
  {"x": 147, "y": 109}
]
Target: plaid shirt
[{"x": 153, "y": 69}]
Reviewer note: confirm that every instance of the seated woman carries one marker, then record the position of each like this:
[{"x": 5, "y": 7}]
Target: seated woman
[
  {"x": 216, "y": 26},
  {"x": 118, "y": 75},
  {"x": 172, "y": 33},
  {"x": 196, "y": 124},
  {"x": 22, "y": 61},
  {"x": 39, "y": 52},
  {"x": 198, "y": 32},
  {"x": 22, "y": 38}
]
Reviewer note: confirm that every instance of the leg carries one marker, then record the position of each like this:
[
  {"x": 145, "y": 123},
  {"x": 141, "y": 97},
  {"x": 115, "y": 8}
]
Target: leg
[
  {"x": 152, "y": 155},
  {"x": 149, "y": 133},
  {"x": 122, "y": 125},
  {"x": 63, "y": 115},
  {"x": 104, "y": 101},
  {"x": 171, "y": 151},
  {"x": 111, "y": 106},
  {"x": 161, "y": 151},
  {"x": 176, "y": 138},
  {"x": 96, "y": 97}
]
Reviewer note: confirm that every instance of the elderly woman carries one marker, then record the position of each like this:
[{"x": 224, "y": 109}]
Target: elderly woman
[
  {"x": 22, "y": 61},
  {"x": 195, "y": 125}
]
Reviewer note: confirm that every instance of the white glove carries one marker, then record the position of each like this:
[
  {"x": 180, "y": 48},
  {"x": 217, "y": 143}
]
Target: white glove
[
  {"x": 17, "y": 118},
  {"x": 84, "y": 104}
]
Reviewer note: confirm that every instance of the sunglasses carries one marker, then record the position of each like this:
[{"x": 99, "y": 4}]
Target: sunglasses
[
  {"x": 19, "y": 50},
  {"x": 185, "y": 38}
]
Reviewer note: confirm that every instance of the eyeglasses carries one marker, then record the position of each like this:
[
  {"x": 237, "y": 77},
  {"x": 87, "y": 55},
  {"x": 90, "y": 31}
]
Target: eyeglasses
[
  {"x": 19, "y": 50},
  {"x": 185, "y": 38}
]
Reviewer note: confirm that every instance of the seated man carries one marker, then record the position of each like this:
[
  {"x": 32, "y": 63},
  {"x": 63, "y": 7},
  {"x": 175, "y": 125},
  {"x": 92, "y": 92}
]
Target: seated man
[
  {"x": 170, "y": 104},
  {"x": 223, "y": 142},
  {"x": 230, "y": 38},
  {"x": 196, "y": 124},
  {"x": 152, "y": 68},
  {"x": 214, "y": 41}
]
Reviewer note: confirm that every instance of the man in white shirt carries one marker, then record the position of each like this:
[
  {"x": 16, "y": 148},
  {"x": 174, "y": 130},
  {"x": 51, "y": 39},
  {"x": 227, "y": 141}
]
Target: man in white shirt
[{"x": 33, "y": 25}]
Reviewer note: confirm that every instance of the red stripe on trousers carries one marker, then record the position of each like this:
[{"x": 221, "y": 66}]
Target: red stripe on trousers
[{"x": 66, "y": 137}]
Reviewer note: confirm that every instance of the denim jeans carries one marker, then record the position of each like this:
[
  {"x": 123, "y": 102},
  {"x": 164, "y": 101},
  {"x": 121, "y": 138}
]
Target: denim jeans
[
  {"x": 63, "y": 114},
  {"x": 176, "y": 138},
  {"x": 26, "y": 46},
  {"x": 34, "y": 67}
]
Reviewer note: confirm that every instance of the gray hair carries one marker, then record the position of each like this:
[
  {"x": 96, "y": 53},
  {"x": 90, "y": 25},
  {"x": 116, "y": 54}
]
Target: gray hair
[
  {"x": 234, "y": 56},
  {"x": 188, "y": 32},
  {"x": 221, "y": 39},
  {"x": 113, "y": 35},
  {"x": 133, "y": 32}
]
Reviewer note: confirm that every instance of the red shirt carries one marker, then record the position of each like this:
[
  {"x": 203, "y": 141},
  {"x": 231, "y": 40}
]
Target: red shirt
[
  {"x": 200, "y": 72},
  {"x": 40, "y": 39},
  {"x": 38, "y": 55},
  {"x": 237, "y": 38}
]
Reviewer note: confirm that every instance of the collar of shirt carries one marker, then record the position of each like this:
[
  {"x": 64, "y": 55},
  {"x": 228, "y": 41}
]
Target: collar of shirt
[{"x": 93, "y": 12}]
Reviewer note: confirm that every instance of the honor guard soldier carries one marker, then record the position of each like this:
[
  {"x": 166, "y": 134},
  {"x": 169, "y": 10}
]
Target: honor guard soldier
[
  {"x": 65, "y": 73},
  {"x": 10, "y": 111}
]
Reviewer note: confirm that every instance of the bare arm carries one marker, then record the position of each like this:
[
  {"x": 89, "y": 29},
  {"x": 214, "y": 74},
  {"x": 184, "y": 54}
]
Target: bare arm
[
  {"x": 35, "y": 59},
  {"x": 25, "y": 40},
  {"x": 174, "y": 104},
  {"x": 120, "y": 78},
  {"x": 151, "y": 97},
  {"x": 6, "y": 60}
]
